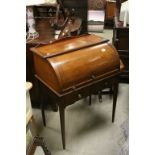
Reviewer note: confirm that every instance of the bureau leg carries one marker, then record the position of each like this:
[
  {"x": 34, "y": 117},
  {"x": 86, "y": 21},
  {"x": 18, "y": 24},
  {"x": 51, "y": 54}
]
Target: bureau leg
[
  {"x": 110, "y": 90},
  {"x": 90, "y": 99},
  {"x": 100, "y": 96},
  {"x": 43, "y": 113},
  {"x": 115, "y": 91},
  {"x": 62, "y": 124},
  {"x": 42, "y": 103}
]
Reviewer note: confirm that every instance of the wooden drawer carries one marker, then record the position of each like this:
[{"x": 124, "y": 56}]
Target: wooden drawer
[
  {"x": 84, "y": 92},
  {"x": 76, "y": 95}
]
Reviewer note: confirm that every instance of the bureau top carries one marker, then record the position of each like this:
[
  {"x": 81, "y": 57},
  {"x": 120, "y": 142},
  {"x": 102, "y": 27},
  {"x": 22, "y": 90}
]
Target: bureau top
[{"x": 67, "y": 45}]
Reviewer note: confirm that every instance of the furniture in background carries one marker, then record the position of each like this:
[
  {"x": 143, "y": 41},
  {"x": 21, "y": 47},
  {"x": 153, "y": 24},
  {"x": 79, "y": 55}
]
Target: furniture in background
[
  {"x": 80, "y": 8},
  {"x": 75, "y": 68},
  {"x": 31, "y": 129},
  {"x": 110, "y": 9},
  {"x": 121, "y": 42},
  {"x": 109, "y": 12},
  {"x": 96, "y": 15}
]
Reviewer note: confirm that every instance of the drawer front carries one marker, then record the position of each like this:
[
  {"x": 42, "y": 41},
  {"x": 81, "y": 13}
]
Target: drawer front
[
  {"x": 82, "y": 93},
  {"x": 76, "y": 95}
]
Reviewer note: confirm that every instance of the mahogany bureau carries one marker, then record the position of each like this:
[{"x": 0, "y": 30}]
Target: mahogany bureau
[{"x": 76, "y": 67}]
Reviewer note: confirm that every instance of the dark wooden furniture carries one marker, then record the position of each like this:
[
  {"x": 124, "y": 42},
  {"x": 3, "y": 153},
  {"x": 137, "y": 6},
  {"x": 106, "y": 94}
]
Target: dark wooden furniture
[
  {"x": 110, "y": 10},
  {"x": 121, "y": 42},
  {"x": 109, "y": 13},
  {"x": 75, "y": 68},
  {"x": 80, "y": 8}
]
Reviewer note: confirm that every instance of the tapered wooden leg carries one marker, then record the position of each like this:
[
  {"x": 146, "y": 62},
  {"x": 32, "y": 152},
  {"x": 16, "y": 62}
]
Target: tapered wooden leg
[
  {"x": 90, "y": 99},
  {"x": 110, "y": 91},
  {"x": 100, "y": 96},
  {"x": 42, "y": 103},
  {"x": 115, "y": 91},
  {"x": 43, "y": 113},
  {"x": 62, "y": 124}
]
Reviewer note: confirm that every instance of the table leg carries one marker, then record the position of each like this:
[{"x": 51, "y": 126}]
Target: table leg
[
  {"x": 62, "y": 123},
  {"x": 115, "y": 91},
  {"x": 100, "y": 96}
]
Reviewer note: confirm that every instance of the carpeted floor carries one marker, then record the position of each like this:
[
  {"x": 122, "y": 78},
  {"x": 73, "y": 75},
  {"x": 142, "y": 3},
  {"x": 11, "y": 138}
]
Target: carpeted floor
[{"x": 89, "y": 130}]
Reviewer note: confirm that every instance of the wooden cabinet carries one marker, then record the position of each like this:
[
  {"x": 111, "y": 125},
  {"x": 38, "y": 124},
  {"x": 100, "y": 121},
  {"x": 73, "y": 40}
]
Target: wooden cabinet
[
  {"x": 109, "y": 13},
  {"x": 121, "y": 42},
  {"x": 110, "y": 9}
]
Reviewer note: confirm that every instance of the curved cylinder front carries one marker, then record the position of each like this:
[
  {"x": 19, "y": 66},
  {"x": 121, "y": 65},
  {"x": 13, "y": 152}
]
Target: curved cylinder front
[{"x": 82, "y": 66}]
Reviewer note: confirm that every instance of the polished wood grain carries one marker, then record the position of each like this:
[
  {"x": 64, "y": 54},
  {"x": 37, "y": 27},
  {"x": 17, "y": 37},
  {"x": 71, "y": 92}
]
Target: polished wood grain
[
  {"x": 110, "y": 10},
  {"x": 66, "y": 44},
  {"x": 74, "y": 69}
]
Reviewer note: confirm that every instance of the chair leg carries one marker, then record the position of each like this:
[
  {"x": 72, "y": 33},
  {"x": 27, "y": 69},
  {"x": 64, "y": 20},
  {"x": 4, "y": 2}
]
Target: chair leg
[{"x": 115, "y": 92}]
